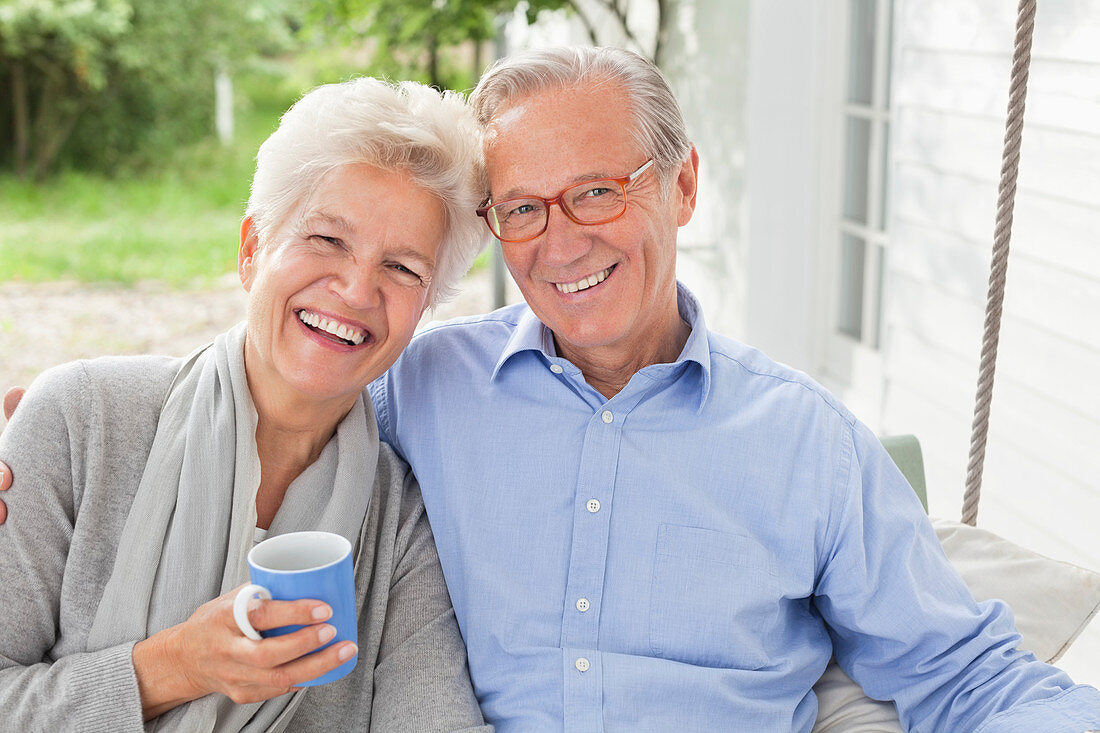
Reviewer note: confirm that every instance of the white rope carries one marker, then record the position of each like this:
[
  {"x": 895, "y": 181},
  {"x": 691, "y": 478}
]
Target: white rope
[{"x": 1010, "y": 163}]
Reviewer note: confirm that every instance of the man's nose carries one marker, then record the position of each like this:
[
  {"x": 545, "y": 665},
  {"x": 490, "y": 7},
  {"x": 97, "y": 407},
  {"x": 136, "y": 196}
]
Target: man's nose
[{"x": 564, "y": 239}]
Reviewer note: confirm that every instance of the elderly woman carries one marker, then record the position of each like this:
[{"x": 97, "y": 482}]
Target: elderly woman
[{"x": 150, "y": 478}]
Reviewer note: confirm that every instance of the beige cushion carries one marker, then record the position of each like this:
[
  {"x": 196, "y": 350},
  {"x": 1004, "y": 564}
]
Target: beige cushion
[{"x": 1052, "y": 601}]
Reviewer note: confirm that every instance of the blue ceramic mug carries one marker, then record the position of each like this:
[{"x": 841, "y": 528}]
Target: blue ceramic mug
[{"x": 299, "y": 565}]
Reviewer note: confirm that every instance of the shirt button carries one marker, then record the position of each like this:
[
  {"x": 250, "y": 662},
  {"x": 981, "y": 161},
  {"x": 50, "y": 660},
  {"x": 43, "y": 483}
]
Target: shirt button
[
  {"x": 582, "y": 604},
  {"x": 607, "y": 416},
  {"x": 556, "y": 368},
  {"x": 582, "y": 664},
  {"x": 593, "y": 505}
]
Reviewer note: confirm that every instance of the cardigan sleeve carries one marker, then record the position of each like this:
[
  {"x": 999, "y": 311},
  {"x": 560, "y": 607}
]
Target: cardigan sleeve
[
  {"x": 40, "y": 688},
  {"x": 421, "y": 682}
]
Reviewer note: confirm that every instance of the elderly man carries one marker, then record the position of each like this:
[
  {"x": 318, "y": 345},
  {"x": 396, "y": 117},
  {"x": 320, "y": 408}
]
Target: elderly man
[{"x": 646, "y": 526}]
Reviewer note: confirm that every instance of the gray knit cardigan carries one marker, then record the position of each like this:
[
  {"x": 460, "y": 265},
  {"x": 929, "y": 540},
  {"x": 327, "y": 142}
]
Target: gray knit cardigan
[{"x": 78, "y": 446}]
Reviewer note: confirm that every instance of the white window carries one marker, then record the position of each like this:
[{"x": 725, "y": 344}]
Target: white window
[
  {"x": 855, "y": 223},
  {"x": 862, "y": 238}
]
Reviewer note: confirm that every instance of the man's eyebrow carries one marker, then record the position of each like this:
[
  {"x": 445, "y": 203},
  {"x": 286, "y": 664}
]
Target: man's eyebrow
[{"x": 523, "y": 192}]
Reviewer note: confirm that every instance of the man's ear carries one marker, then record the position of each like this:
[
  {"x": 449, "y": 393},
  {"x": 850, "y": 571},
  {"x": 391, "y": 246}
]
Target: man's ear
[
  {"x": 687, "y": 187},
  {"x": 246, "y": 255}
]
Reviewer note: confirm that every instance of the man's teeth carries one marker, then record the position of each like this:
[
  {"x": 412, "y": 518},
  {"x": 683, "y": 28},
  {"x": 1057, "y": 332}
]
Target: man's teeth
[
  {"x": 583, "y": 283},
  {"x": 334, "y": 328}
]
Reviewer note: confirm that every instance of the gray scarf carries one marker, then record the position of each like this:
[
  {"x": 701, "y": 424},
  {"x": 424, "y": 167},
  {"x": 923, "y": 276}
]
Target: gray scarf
[{"x": 190, "y": 528}]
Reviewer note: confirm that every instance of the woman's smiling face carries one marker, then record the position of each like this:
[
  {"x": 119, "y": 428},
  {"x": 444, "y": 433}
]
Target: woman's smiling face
[{"x": 337, "y": 291}]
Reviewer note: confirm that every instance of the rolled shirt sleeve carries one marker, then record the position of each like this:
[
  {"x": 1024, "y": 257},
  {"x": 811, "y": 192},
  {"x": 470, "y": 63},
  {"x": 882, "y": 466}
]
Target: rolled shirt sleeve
[{"x": 906, "y": 628}]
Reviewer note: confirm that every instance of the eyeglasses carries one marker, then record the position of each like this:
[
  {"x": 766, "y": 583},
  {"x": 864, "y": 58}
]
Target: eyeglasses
[{"x": 589, "y": 203}]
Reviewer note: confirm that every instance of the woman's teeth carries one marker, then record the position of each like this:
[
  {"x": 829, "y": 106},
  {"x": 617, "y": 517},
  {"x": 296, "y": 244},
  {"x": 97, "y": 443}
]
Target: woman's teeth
[
  {"x": 333, "y": 328},
  {"x": 584, "y": 283}
]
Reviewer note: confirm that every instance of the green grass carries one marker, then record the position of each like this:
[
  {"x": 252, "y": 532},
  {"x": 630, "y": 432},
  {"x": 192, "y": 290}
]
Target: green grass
[{"x": 178, "y": 223}]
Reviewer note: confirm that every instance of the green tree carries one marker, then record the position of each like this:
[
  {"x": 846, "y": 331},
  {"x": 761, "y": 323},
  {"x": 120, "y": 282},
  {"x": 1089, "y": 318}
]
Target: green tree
[
  {"x": 617, "y": 12},
  {"x": 57, "y": 55},
  {"x": 414, "y": 37},
  {"x": 93, "y": 81}
]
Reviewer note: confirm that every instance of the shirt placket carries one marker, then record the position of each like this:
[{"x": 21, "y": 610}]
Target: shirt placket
[{"x": 593, "y": 503}]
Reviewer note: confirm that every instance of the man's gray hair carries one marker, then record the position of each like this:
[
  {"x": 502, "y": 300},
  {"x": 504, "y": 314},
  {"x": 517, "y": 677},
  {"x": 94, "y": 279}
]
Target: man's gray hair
[
  {"x": 658, "y": 123},
  {"x": 405, "y": 127}
]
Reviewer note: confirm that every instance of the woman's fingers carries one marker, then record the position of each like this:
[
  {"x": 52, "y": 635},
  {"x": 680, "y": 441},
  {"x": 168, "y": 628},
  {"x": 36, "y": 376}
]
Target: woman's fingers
[
  {"x": 277, "y": 665},
  {"x": 276, "y": 651},
  {"x": 259, "y": 670},
  {"x": 314, "y": 665},
  {"x": 266, "y": 615}
]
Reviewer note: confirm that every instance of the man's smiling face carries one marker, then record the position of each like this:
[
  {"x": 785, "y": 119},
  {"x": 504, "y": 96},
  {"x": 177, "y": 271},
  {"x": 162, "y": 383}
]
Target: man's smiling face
[{"x": 608, "y": 286}]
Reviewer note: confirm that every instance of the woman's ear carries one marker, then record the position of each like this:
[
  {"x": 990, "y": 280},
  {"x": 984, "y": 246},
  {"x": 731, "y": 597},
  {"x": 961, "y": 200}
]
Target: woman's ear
[{"x": 246, "y": 255}]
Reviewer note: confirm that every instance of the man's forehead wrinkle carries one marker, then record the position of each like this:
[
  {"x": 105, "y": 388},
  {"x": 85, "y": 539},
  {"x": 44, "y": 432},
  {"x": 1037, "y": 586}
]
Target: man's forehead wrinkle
[{"x": 523, "y": 118}]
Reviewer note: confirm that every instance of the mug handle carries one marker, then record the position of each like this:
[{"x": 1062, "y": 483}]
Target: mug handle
[{"x": 240, "y": 608}]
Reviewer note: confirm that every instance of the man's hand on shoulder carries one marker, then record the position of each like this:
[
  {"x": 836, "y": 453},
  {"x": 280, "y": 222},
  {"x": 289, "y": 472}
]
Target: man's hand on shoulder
[
  {"x": 11, "y": 401},
  {"x": 5, "y": 482}
]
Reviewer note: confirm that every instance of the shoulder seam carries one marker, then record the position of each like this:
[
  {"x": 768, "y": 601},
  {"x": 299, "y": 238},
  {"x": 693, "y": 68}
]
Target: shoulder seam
[{"x": 849, "y": 420}]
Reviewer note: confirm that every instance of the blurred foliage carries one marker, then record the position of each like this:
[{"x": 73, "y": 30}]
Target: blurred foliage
[
  {"x": 109, "y": 169},
  {"x": 176, "y": 222},
  {"x": 437, "y": 42},
  {"x": 104, "y": 84},
  {"x": 90, "y": 83}
]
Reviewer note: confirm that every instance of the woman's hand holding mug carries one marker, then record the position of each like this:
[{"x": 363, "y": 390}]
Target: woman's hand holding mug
[{"x": 209, "y": 653}]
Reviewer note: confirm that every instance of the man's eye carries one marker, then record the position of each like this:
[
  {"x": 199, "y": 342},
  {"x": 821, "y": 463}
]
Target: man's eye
[
  {"x": 596, "y": 191},
  {"x": 521, "y": 210}
]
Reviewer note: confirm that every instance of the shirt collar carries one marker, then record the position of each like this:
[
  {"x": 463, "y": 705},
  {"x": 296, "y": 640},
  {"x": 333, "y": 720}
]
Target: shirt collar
[
  {"x": 531, "y": 334},
  {"x": 697, "y": 348}
]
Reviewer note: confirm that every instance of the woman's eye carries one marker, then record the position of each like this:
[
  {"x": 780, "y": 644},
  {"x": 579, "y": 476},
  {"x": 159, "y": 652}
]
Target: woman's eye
[
  {"x": 398, "y": 267},
  {"x": 335, "y": 242}
]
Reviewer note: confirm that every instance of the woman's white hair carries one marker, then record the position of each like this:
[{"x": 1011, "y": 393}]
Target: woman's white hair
[
  {"x": 407, "y": 126},
  {"x": 658, "y": 123}
]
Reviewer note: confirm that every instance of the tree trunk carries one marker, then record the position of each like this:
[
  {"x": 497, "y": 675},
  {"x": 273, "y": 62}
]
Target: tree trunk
[
  {"x": 662, "y": 31},
  {"x": 223, "y": 106},
  {"x": 49, "y": 150},
  {"x": 53, "y": 123},
  {"x": 479, "y": 60},
  {"x": 586, "y": 21},
  {"x": 20, "y": 117},
  {"x": 433, "y": 62}
]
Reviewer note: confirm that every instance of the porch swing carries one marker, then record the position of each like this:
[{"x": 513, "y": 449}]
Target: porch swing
[{"x": 1051, "y": 601}]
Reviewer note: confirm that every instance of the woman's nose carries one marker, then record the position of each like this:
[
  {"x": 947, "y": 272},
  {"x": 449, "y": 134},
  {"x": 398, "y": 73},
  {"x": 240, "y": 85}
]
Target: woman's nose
[{"x": 359, "y": 287}]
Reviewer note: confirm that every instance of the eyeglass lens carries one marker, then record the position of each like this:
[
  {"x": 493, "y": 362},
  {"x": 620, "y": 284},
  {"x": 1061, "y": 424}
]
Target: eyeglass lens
[{"x": 591, "y": 202}]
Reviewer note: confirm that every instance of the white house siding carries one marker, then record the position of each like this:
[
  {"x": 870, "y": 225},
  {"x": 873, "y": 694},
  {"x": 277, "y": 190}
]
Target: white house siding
[
  {"x": 707, "y": 65},
  {"x": 1042, "y": 475}
]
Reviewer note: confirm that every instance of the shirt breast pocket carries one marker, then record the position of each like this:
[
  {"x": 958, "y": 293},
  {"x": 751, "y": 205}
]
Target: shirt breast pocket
[{"x": 714, "y": 598}]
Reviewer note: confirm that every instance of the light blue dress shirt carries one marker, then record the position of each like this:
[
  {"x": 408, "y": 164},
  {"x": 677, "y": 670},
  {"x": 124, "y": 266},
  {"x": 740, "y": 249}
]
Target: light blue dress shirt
[{"x": 687, "y": 555}]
